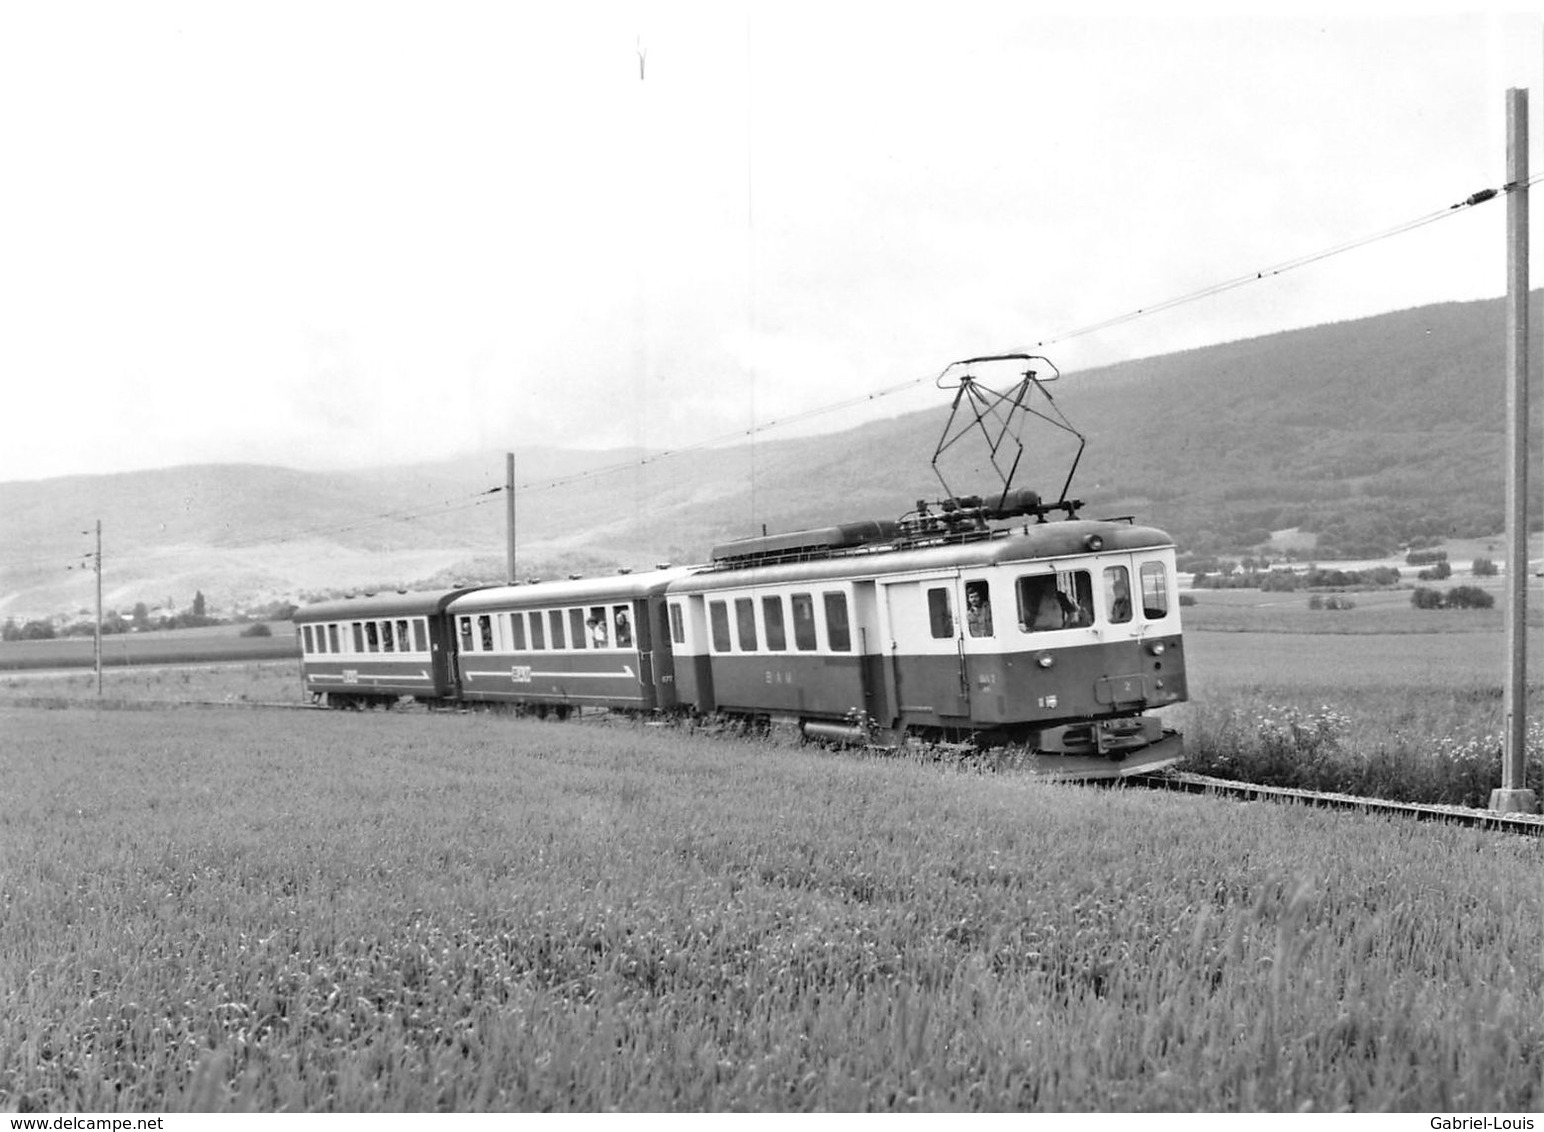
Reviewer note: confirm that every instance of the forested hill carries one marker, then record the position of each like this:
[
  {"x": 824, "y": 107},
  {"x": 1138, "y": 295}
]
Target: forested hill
[{"x": 1366, "y": 433}]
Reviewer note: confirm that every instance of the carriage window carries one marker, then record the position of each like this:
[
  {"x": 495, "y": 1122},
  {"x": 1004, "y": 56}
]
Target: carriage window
[
  {"x": 332, "y": 638},
  {"x": 718, "y": 620},
  {"x": 1055, "y": 601},
  {"x": 517, "y": 630},
  {"x": 578, "y": 631},
  {"x": 464, "y": 624},
  {"x": 940, "y": 613},
  {"x": 1117, "y": 594},
  {"x": 745, "y": 623},
  {"x": 538, "y": 632},
  {"x": 837, "y": 631},
  {"x": 310, "y": 645},
  {"x": 978, "y": 609},
  {"x": 677, "y": 624},
  {"x": 387, "y": 642},
  {"x": 555, "y": 623},
  {"x": 420, "y": 637},
  {"x": 772, "y": 615},
  {"x": 623, "y": 625},
  {"x": 595, "y": 623},
  {"x": 485, "y": 632},
  {"x": 372, "y": 638},
  {"x": 803, "y": 622},
  {"x": 402, "y": 637},
  {"x": 359, "y": 637},
  {"x": 1155, "y": 591}
]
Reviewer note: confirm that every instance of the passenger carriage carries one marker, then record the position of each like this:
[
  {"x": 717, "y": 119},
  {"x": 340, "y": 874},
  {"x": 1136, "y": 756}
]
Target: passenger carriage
[
  {"x": 372, "y": 650},
  {"x": 556, "y": 646}
]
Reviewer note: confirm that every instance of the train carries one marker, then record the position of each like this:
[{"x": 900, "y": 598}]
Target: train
[{"x": 982, "y": 621}]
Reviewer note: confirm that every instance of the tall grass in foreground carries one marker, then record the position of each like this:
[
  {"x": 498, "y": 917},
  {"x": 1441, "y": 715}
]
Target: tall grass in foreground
[{"x": 406, "y": 912}]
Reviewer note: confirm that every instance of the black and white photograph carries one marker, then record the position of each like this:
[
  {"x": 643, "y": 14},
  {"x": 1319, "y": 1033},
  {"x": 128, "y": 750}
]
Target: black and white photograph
[{"x": 770, "y": 560}]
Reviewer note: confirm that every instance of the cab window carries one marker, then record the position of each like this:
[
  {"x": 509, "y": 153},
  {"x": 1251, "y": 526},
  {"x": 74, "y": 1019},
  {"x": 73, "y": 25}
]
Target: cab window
[
  {"x": 1063, "y": 600},
  {"x": 1155, "y": 591},
  {"x": 1117, "y": 594},
  {"x": 677, "y": 624}
]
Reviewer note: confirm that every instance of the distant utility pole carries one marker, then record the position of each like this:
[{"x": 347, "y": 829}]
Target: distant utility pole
[
  {"x": 97, "y": 558},
  {"x": 509, "y": 513},
  {"x": 1513, "y": 797}
]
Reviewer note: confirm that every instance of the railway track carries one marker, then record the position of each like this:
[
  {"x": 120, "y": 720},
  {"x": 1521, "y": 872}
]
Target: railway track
[
  {"x": 1173, "y": 780},
  {"x": 1186, "y": 782}
]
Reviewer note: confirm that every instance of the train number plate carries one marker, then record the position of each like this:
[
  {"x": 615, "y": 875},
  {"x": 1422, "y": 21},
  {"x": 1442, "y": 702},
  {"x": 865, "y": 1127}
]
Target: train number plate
[
  {"x": 520, "y": 674},
  {"x": 351, "y": 675}
]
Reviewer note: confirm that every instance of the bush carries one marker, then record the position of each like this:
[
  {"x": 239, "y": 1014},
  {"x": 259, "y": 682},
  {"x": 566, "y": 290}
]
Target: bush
[
  {"x": 1436, "y": 573},
  {"x": 1187, "y": 599},
  {"x": 1483, "y": 568},
  {"x": 1469, "y": 597},
  {"x": 1424, "y": 557},
  {"x": 257, "y": 629},
  {"x": 1426, "y": 598}
]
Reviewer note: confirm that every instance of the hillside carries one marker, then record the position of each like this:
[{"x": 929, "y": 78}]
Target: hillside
[{"x": 1367, "y": 433}]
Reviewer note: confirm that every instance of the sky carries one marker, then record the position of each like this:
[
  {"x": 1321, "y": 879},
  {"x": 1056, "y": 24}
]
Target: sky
[{"x": 341, "y": 234}]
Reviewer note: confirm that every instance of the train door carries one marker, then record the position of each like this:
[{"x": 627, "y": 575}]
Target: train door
[
  {"x": 924, "y": 650},
  {"x": 653, "y": 618}
]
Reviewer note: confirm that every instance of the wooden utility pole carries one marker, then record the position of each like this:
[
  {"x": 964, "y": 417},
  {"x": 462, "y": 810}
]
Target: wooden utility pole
[
  {"x": 509, "y": 515},
  {"x": 98, "y": 558},
  {"x": 1512, "y": 796}
]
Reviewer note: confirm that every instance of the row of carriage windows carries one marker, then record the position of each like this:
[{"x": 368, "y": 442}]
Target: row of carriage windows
[
  {"x": 595, "y": 627},
  {"x": 402, "y": 634},
  {"x": 1064, "y": 600},
  {"x": 791, "y": 626}
]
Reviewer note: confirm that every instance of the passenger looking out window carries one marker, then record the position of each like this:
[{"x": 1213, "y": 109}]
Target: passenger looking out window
[
  {"x": 1117, "y": 591},
  {"x": 978, "y": 609},
  {"x": 596, "y": 624},
  {"x": 485, "y": 631},
  {"x": 624, "y": 627}
]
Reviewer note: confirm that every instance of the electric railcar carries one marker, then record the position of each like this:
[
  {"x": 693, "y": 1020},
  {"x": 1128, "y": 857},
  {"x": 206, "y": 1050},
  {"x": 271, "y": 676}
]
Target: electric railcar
[{"x": 1057, "y": 638}]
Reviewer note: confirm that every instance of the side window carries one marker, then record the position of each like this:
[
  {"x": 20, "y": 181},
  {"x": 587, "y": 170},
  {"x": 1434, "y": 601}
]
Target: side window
[
  {"x": 555, "y": 623},
  {"x": 772, "y": 616},
  {"x": 538, "y": 632},
  {"x": 577, "y": 629},
  {"x": 1155, "y": 591},
  {"x": 517, "y": 630},
  {"x": 372, "y": 637},
  {"x": 1055, "y": 601},
  {"x": 595, "y": 622},
  {"x": 718, "y": 623},
  {"x": 940, "y": 613},
  {"x": 332, "y": 638},
  {"x": 464, "y": 624},
  {"x": 837, "y": 630},
  {"x": 388, "y": 642},
  {"x": 745, "y": 623},
  {"x": 310, "y": 645},
  {"x": 1117, "y": 594},
  {"x": 803, "y": 622},
  {"x": 485, "y": 632},
  {"x": 420, "y": 634},
  {"x": 359, "y": 637},
  {"x": 402, "y": 637},
  {"x": 677, "y": 624},
  {"x": 978, "y": 608},
  {"x": 622, "y": 622}
]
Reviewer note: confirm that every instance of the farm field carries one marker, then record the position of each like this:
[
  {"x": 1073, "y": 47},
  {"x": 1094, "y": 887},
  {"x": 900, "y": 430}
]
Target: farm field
[
  {"x": 213, "y": 643},
  {"x": 341, "y": 912}
]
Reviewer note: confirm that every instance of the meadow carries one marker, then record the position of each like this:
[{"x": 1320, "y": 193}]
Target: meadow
[{"x": 337, "y": 912}]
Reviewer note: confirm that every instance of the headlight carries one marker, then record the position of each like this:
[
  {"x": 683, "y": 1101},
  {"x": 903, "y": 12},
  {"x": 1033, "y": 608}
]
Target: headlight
[
  {"x": 1044, "y": 660},
  {"x": 1094, "y": 542},
  {"x": 1156, "y": 648}
]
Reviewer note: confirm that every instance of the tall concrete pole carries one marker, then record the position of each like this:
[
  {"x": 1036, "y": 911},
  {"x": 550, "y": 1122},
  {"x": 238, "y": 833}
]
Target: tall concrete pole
[
  {"x": 509, "y": 514},
  {"x": 1512, "y": 796},
  {"x": 99, "y": 607}
]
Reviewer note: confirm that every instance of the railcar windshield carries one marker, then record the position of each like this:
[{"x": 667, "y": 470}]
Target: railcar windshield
[
  {"x": 1155, "y": 591},
  {"x": 1117, "y": 594}
]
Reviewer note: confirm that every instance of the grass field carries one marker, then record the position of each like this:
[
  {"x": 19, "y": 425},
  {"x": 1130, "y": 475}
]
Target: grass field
[
  {"x": 339, "y": 912},
  {"x": 212, "y": 644}
]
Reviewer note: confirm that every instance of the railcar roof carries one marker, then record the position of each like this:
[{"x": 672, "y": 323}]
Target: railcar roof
[
  {"x": 1037, "y": 541},
  {"x": 393, "y": 604},
  {"x": 573, "y": 591}
]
